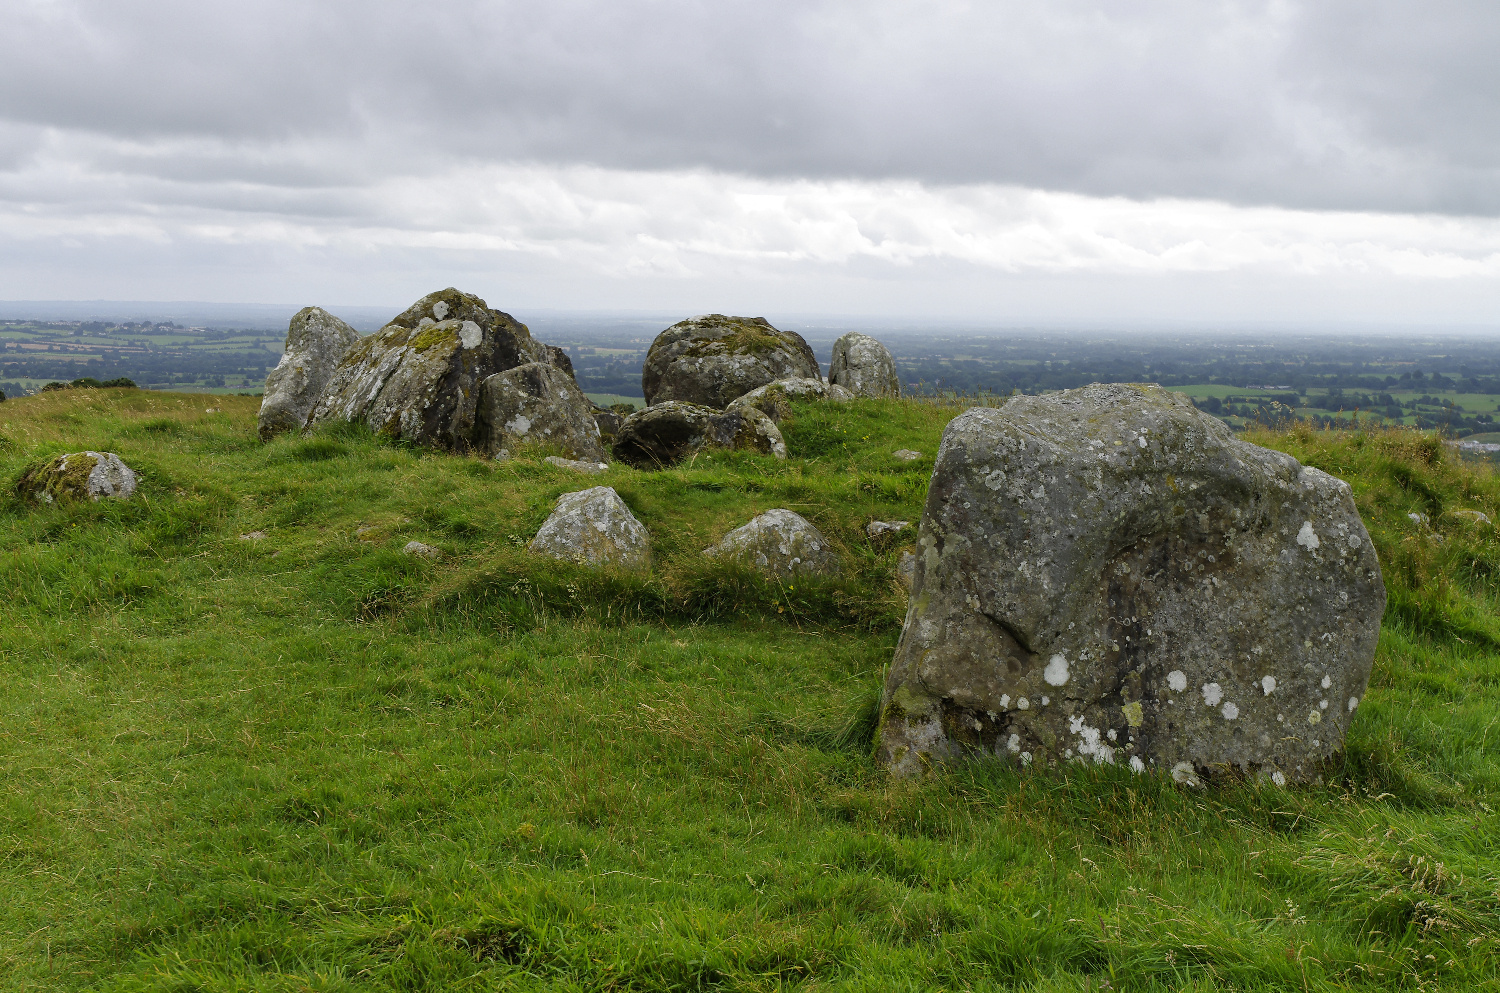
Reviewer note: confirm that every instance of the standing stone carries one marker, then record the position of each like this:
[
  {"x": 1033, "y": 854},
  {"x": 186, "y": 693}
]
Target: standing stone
[
  {"x": 668, "y": 432},
  {"x": 594, "y": 527},
  {"x": 775, "y": 399},
  {"x": 864, "y": 367},
  {"x": 779, "y": 544},
  {"x": 538, "y": 404},
  {"x": 418, "y": 377},
  {"x": 1107, "y": 575},
  {"x": 713, "y": 359},
  {"x": 78, "y": 476},
  {"x": 316, "y": 342}
]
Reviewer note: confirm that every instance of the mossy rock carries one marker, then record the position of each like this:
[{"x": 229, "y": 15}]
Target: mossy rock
[
  {"x": 713, "y": 360},
  {"x": 78, "y": 476}
]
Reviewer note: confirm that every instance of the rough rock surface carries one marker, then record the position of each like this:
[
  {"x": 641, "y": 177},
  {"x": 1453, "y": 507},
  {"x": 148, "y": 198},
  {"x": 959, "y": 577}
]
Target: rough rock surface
[
  {"x": 906, "y": 568},
  {"x": 779, "y": 544},
  {"x": 906, "y": 454},
  {"x": 864, "y": 367},
  {"x": 537, "y": 404},
  {"x": 879, "y": 529},
  {"x": 713, "y": 359},
  {"x": 316, "y": 342},
  {"x": 587, "y": 468},
  {"x": 557, "y": 356},
  {"x": 79, "y": 476},
  {"x": 594, "y": 527},
  {"x": 1107, "y": 575},
  {"x": 661, "y": 435},
  {"x": 774, "y": 399},
  {"x": 421, "y": 550},
  {"x": 418, "y": 377}
]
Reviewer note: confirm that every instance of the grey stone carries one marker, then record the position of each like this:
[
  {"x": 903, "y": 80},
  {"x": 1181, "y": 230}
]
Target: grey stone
[
  {"x": 422, "y": 551},
  {"x": 779, "y": 544},
  {"x": 418, "y": 377},
  {"x": 78, "y": 476},
  {"x": 713, "y": 359},
  {"x": 1107, "y": 575},
  {"x": 879, "y": 529},
  {"x": 253, "y": 536},
  {"x": 662, "y": 435},
  {"x": 864, "y": 367},
  {"x": 557, "y": 357},
  {"x": 906, "y": 454},
  {"x": 587, "y": 468},
  {"x": 608, "y": 422},
  {"x": 316, "y": 342},
  {"x": 594, "y": 527},
  {"x": 1470, "y": 516},
  {"x": 774, "y": 399},
  {"x": 906, "y": 568},
  {"x": 536, "y": 404}
]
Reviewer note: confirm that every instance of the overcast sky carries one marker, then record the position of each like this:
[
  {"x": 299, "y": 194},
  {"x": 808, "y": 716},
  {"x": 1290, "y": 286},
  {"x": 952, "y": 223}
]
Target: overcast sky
[{"x": 1093, "y": 162}]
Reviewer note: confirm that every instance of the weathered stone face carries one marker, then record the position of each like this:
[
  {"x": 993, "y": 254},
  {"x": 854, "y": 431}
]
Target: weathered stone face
[
  {"x": 779, "y": 544},
  {"x": 713, "y": 359},
  {"x": 774, "y": 399},
  {"x": 864, "y": 367},
  {"x": 1107, "y": 575},
  {"x": 537, "y": 404},
  {"x": 558, "y": 357},
  {"x": 418, "y": 377},
  {"x": 594, "y": 527},
  {"x": 316, "y": 342},
  {"x": 78, "y": 476},
  {"x": 666, "y": 433}
]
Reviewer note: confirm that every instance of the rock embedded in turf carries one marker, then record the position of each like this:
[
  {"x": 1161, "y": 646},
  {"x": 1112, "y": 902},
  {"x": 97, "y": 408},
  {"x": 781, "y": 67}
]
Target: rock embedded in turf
[
  {"x": 906, "y": 455},
  {"x": 594, "y": 527},
  {"x": 78, "y": 476},
  {"x": 1106, "y": 575},
  {"x": 712, "y": 360},
  {"x": 879, "y": 529},
  {"x": 779, "y": 544},
  {"x": 418, "y": 377},
  {"x": 316, "y": 342},
  {"x": 666, "y": 433},
  {"x": 421, "y": 550},
  {"x": 864, "y": 367},
  {"x": 537, "y": 404},
  {"x": 572, "y": 465},
  {"x": 774, "y": 399}
]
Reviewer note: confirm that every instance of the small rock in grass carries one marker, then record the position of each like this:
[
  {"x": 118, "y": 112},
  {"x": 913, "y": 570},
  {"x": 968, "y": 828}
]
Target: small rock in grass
[
  {"x": 423, "y": 551},
  {"x": 879, "y": 529},
  {"x": 79, "y": 476},
  {"x": 906, "y": 454},
  {"x": 588, "y": 468},
  {"x": 594, "y": 527},
  {"x": 1471, "y": 516},
  {"x": 253, "y": 536},
  {"x": 779, "y": 544}
]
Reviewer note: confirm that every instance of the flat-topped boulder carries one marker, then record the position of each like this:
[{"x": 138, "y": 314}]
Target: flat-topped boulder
[
  {"x": 418, "y": 377},
  {"x": 668, "y": 432},
  {"x": 536, "y": 404},
  {"x": 594, "y": 527},
  {"x": 316, "y": 342},
  {"x": 863, "y": 366},
  {"x": 779, "y": 544},
  {"x": 713, "y": 359},
  {"x": 775, "y": 399},
  {"x": 1107, "y": 575},
  {"x": 78, "y": 476}
]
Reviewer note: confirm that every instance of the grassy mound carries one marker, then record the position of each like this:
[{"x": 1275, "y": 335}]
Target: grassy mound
[{"x": 248, "y": 744}]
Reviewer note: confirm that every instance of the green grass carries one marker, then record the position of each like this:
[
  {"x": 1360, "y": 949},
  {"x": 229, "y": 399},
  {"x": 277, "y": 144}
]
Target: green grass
[{"x": 308, "y": 762}]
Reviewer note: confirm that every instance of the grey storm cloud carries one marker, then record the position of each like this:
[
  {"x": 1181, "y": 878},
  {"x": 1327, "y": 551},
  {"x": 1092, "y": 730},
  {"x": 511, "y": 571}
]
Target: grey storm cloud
[{"x": 1336, "y": 104}]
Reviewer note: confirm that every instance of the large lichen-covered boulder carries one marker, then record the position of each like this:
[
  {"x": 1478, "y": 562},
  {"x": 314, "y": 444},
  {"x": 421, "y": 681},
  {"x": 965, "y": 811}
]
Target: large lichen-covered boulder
[
  {"x": 537, "y": 404},
  {"x": 779, "y": 544},
  {"x": 863, "y": 366},
  {"x": 418, "y": 377},
  {"x": 594, "y": 527},
  {"x": 775, "y": 399},
  {"x": 316, "y": 342},
  {"x": 713, "y": 359},
  {"x": 1107, "y": 575},
  {"x": 78, "y": 476},
  {"x": 666, "y": 433}
]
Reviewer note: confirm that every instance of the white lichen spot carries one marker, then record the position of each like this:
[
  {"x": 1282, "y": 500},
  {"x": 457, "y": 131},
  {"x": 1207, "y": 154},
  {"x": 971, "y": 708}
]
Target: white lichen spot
[
  {"x": 1183, "y": 772},
  {"x": 1025, "y": 758},
  {"x": 1136, "y": 765},
  {"x": 1314, "y": 716},
  {"x": 1112, "y": 735},
  {"x": 1353, "y": 702},
  {"x": 440, "y": 310},
  {"x": 1014, "y": 744},
  {"x": 1046, "y": 699},
  {"x": 1023, "y": 704},
  {"x": 1141, "y": 442},
  {"x": 1212, "y": 694},
  {"x": 1322, "y": 704},
  {"x": 520, "y": 424},
  {"x": 1268, "y": 685},
  {"x": 1327, "y": 682},
  {"x": 1278, "y": 777},
  {"x": 1307, "y": 537},
  {"x": 1230, "y": 711},
  {"x": 470, "y": 335},
  {"x": 1089, "y": 744},
  {"x": 1004, "y": 701},
  {"x": 1281, "y": 718},
  {"x": 1177, "y": 680},
  {"x": 1056, "y": 673}
]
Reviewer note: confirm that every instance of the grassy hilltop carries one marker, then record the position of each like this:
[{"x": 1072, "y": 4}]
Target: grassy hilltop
[{"x": 306, "y": 761}]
